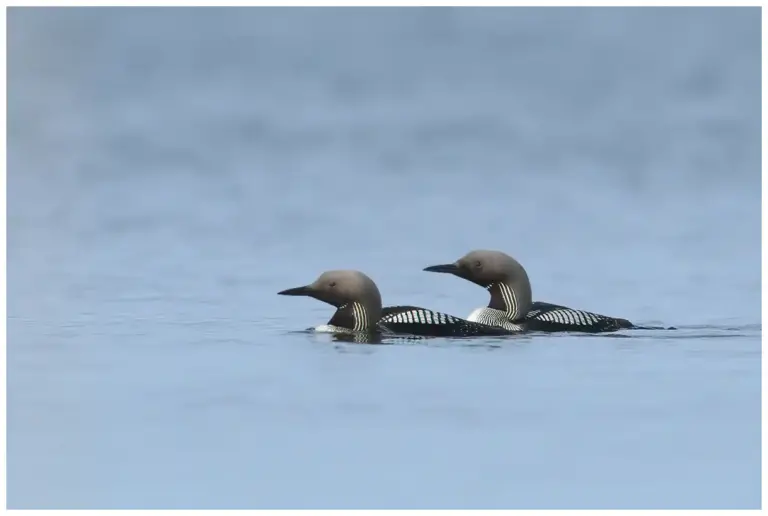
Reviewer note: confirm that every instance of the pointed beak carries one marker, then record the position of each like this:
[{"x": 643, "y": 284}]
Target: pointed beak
[
  {"x": 298, "y": 291},
  {"x": 449, "y": 268}
]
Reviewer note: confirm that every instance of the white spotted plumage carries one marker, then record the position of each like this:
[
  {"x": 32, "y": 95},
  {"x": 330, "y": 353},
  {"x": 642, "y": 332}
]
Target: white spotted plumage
[
  {"x": 565, "y": 316},
  {"x": 493, "y": 317},
  {"x": 330, "y": 328},
  {"x": 419, "y": 316}
]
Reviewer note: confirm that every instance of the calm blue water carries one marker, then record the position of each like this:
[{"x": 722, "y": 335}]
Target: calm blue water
[{"x": 169, "y": 171}]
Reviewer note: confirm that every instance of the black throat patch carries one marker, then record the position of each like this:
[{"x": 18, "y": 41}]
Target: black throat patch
[
  {"x": 344, "y": 317},
  {"x": 497, "y": 300}
]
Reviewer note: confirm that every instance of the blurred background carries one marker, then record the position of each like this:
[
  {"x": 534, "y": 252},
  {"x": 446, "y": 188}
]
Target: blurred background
[{"x": 170, "y": 170}]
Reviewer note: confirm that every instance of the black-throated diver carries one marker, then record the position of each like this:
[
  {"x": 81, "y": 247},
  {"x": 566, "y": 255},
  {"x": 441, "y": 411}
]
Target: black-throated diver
[
  {"x": 359, "y": 311},
  {"x": 512, "y": 305}
]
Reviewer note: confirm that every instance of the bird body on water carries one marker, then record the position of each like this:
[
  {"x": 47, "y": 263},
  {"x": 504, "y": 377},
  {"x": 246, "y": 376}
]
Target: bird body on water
[
  {"x": 511, "y": 305},
  {"x": 359, "y": 311}
]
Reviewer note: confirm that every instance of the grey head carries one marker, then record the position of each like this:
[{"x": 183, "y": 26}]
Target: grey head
[
  {"x": 354, "y": 294},
  {"x": 502, "y": 275}
]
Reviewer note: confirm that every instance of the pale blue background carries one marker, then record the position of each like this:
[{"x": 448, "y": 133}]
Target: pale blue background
[{"x": 170, "y": 170}]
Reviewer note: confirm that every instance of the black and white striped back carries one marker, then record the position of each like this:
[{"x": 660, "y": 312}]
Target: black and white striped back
[
  {"x": 420, "y": 321},
  {"x": 547, "y": 317},
  {"x": 550, "y": 317}
]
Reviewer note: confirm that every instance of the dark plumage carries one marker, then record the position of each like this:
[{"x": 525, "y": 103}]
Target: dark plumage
[
  {"x": 359, "y": 311},
  {"x": 511, "y": 305}
]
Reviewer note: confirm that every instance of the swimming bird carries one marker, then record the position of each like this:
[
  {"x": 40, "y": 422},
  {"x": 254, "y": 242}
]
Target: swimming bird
[
  {"x": 359, "y": 311},
  {"x": 511, "y": 305}
]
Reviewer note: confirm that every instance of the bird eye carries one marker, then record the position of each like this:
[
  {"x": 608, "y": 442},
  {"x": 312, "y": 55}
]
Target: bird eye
[
  {"x": 478, "y": 265},
  {"x": 333, "y": 284}
]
